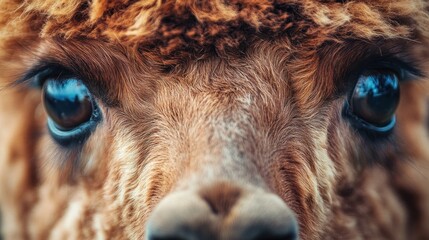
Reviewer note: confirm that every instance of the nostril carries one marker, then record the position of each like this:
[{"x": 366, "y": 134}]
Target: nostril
[
  {"x": 292, "y": 235},
  {"x": 273, "y": 234},
  {"x": 289, "y": 234},
  {"x": 166, "y": 238},
  {"x": 181, "y": 216}
]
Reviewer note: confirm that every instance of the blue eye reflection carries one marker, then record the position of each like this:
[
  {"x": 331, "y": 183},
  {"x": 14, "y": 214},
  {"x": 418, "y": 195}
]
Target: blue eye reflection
[{"x": 376, "y": 85}]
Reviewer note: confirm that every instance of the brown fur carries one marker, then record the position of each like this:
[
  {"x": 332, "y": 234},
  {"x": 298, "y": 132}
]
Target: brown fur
[{"x": 216, "y": 98}]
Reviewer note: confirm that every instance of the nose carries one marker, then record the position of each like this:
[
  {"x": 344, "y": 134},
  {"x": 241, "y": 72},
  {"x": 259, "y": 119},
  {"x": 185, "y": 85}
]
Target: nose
[{"x": 222, "y": 212}]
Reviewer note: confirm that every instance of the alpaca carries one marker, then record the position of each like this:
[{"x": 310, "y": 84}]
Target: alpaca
[{"x": 187, "y": 119}]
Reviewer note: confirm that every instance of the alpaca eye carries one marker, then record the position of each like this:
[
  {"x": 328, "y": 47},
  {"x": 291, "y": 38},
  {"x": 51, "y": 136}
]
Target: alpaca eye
[
  {"x": 67, "y": 103},
  {"x": 71, "y": 110},
  {"x": 375, "y": 98}
]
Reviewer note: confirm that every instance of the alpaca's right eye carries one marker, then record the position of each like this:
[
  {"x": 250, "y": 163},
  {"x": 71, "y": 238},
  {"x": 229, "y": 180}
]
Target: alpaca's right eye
[
  {"x": 72, "y": 111},
  {"x": 374, "y": 100}
]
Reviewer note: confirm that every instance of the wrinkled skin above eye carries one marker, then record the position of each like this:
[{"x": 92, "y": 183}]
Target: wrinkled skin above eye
[
  {"x": 67, "y": 102},
  {"x": 376, "y": 97}
]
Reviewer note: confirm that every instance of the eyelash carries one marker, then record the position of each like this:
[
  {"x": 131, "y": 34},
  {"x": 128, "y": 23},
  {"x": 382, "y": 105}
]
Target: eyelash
[
  {"x": 49, "y": 73},
  {"x": 407, "y": 69},
  {"x": 37, "y": 75}
]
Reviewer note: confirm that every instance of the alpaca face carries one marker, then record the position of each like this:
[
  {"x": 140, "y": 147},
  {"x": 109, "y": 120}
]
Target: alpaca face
[{"x": 286, "y": 138}]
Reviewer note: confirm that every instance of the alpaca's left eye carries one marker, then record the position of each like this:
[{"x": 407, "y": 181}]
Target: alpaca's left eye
[
  {"x": 67, "y": 102},
  {"x": 374, "y": 100},
  {"x": 72, "y": 112}
]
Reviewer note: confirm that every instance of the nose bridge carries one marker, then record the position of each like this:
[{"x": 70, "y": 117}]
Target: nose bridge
[
  {"x": 227, "y": 149},
  {"x": 212, "y": 130},
  {"x": 207, "y": 121}
]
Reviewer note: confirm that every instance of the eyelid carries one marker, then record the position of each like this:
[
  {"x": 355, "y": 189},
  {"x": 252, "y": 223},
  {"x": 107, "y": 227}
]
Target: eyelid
[
  {"x": 36, "y": 76},
  {"x": 405, "y": 69},
  {"x": 54, "y": 70}
]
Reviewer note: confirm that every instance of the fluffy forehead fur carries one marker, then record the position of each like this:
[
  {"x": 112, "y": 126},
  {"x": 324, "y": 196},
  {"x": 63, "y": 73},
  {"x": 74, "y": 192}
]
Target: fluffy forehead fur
[
  {"x": 171, "y": 30},
  {"x": 194, "y": 93}
]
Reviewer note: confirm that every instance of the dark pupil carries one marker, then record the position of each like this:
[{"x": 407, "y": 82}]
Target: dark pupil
[
  {"x": 376, "y": 97},
  {"x": 67, "y": 102}
]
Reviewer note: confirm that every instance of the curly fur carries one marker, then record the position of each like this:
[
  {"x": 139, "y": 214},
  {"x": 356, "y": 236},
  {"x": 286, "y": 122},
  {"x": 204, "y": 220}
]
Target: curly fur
[
  {"x": 248, "y": 92},
  {"x": 171, "y": 30}
]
